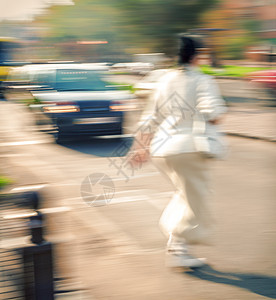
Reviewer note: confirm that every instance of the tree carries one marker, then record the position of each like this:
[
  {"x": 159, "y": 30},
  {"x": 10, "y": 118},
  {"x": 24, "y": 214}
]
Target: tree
[
  {"x": 242, "y": 30},
  {"x": 130, "y": 26}
]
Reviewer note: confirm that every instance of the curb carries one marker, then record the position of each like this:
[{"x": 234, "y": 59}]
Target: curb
[
  {"x": 228, "y": 77},
  {"x": 251, "y": 137}
]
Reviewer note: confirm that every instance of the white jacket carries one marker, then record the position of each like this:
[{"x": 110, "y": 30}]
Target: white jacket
[{"x": 182, "y": 96}]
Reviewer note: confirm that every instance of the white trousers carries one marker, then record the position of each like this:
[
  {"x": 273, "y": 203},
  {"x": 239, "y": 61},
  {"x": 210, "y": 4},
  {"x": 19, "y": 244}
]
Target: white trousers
[{"x": 188, "y": 215}]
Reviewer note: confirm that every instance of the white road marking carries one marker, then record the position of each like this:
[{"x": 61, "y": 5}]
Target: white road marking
[
  {"x": 138, "y": 176},
  {"x": 130, "y": 199},
  {"x": 23, "y": 143},
  {"x": 13, "y": 155},
  {"x": 109, "y": 227},
  {"x": 29, "y": 187},
  {"x": 155, "y": 199},
  {"x": 115, "y": 179}
]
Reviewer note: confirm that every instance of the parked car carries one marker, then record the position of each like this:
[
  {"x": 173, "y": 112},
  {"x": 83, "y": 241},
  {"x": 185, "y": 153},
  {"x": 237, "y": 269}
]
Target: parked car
[
  {"x": 77, "y": 99},
  {"x": 148, "y": 83}
]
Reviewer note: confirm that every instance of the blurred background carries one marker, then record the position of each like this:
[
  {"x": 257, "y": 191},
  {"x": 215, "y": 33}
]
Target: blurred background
[
  {"x": 76, "y": 222},
  {"x": 72, "y": 30}
]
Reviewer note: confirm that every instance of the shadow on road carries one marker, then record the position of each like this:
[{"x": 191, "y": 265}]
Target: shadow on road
[
  {"x": 256, "y": 283},
  {"x": 103, "y": 147}
]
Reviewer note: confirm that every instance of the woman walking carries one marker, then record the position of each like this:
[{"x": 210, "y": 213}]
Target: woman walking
[{"x": 168, "y": 134}]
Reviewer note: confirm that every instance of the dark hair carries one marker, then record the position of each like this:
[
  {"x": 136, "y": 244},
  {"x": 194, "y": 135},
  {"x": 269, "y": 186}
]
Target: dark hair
[{"x": 187, "y": 49}]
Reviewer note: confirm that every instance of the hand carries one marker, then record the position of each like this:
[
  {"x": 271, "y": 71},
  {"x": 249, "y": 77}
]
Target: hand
[
  {"x": 139, "y": 153},
  {"x": 139, "y": 156}
]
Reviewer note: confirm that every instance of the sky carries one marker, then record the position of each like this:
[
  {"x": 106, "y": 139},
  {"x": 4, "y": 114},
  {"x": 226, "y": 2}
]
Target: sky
[{"x": 26, "y": 9}]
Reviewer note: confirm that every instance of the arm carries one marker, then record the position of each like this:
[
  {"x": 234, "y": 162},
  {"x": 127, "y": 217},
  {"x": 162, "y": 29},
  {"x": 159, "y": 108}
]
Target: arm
[
  {"x": 149, "y": 121},
  {"x": 209, "y": 101}
]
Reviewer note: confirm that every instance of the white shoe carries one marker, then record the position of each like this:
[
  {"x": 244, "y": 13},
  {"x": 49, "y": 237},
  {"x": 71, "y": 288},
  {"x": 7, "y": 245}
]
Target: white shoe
[
  {"x": 184, "y": 260},
  {"x": 178, "y": 255}
]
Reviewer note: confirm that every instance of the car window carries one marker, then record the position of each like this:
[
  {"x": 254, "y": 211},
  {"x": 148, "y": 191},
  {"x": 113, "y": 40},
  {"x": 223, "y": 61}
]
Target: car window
[{"x": 89, "y": 80}]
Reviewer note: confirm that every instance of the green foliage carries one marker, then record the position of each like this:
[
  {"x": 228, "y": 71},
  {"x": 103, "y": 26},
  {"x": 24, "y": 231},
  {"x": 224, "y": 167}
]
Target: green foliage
[
  {"x": 252, "y": 26},
  {"x": 235, "y": 47},
  {"x": 128, "y": 25},
  {"x": 123, "y": 86},
  {"x": 4, "y": 181},
  {"x": 230, "y": 71}
]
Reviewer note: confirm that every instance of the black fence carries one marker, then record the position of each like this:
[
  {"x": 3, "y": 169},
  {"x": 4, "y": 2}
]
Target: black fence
[{"x": 26, "y": 259}]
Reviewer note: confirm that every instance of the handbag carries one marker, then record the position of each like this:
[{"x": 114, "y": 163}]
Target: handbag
[{"x": 208, "y": 139}]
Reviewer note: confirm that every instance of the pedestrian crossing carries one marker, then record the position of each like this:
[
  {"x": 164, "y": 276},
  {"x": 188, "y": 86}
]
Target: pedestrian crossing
[
  {"x": 155, "y": 198},
  {"x": 131, "y": 219}
]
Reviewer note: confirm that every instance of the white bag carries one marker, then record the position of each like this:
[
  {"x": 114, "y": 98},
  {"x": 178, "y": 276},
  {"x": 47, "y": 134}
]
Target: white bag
[{"x": 208, "y": 139}]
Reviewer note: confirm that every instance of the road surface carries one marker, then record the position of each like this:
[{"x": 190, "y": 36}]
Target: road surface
[{"x": 120, "y": 249}]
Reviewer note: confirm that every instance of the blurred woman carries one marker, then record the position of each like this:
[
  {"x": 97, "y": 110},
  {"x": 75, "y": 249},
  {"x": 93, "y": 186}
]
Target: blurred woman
[{"x": 167, "y": 134}]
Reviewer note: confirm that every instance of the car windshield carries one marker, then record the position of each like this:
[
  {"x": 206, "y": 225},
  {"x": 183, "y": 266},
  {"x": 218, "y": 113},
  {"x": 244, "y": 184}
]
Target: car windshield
[
  {"x": 76, "y": 80},
  {"x": 72, "y": 80}
]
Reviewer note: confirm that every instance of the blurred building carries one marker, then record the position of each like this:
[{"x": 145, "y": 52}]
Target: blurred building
[
  {"x": 263, "y": 11},
  {"x": 251, "y": 29}
]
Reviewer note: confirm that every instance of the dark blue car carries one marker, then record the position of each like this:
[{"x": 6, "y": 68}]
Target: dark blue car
[{"x": 78, "y": 99}]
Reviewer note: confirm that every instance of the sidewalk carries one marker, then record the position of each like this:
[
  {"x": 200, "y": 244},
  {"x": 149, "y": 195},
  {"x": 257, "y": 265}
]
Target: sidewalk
[
  {"x": 257, "y": 123},
  {"x": 251, "y": 123}
]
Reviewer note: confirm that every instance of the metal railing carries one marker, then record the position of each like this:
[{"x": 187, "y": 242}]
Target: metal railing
[{"x": 26, "y": 259}]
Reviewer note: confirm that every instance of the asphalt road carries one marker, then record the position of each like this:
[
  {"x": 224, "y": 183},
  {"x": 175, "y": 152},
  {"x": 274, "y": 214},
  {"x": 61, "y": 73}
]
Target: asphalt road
[
  {"x": 120, "y": 251},
  {"x": 121, "y": 247}
]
